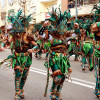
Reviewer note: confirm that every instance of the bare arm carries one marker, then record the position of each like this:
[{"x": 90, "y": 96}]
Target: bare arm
[
  {"x": 31, "y": 50},
  {"x": 8, "y": 41},
  {"x": 52, "y": 41},
  {"x": 34, "y": 43},
  {"x": 46, "y": 37}
]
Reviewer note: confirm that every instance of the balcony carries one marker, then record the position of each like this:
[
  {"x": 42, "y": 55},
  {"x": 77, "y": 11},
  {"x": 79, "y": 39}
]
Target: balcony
[
  {"x": 86, "y": 9},
  {"x": 47, "y": 1}
]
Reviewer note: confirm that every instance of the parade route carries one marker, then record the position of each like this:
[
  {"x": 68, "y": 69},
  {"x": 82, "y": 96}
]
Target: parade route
[
  {"x": 73, "y": 80},
  {"x": 50, "y": 50},
  {"x": 80, "y": 88}
]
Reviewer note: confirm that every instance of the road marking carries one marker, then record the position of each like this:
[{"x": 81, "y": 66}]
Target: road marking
[
  {"x": 38, "y": 72},
  {"x": 82, "y": 80},
  {"x": 74, "y": 81},
  {"x": 82, "y": 84},
  {"x": 38, "y": 69}
]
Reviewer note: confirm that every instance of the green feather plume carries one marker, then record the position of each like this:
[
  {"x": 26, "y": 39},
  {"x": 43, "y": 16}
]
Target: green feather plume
[
  {"x": 19, "y": 21},
  {"x": 59, "y": 20}
]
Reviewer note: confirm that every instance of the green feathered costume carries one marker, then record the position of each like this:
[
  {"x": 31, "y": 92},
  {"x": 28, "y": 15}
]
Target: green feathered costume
[
  {"x": 58, "y": 61},
  {"x": 97, "y": 68},
  {"x": 73, "y": 49},
  {"x": 21, "y": 58},
  {"x": 96, "y": 31},
  {"x": 87, "y": 53}
]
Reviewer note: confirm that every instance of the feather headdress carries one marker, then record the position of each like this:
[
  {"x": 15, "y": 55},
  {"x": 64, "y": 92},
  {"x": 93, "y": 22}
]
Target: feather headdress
[
  {"x": 19, "y": 21},
  {"x": 59, "y": 21}
]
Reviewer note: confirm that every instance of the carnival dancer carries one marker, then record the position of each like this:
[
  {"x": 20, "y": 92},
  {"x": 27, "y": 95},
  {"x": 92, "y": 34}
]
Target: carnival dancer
[
  {"x": 47, "y": 42},
  {"x": 87, "y": 52},
  {"x": 73, "y": 48},
  {"x": 41, "y": 39},
  {"x": 38, "y": 48},
  {"x": 78, "y": 33},
  {"x": 1, "y": 42},
  {"x": 21, "y": 58},
  {"x": 57, "y": 58},
  {"x": 35, "y": 33},
  {"x": 95, "y": 30}
]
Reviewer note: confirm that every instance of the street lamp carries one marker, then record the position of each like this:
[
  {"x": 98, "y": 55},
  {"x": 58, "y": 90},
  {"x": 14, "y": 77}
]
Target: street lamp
[{"x": 76, "y": 9}]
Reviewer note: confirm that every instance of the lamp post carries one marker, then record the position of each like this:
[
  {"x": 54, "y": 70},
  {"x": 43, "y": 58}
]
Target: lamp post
[
  {"x": 83, "y": 2},
  {"x": 76, "y": 9}
]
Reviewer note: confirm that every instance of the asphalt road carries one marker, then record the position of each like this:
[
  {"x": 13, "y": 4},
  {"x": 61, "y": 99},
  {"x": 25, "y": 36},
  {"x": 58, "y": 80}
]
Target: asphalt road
[{"x": 80, "y": 88}]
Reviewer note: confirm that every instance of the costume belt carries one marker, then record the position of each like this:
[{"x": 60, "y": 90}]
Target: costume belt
[
  {"x": 58, "y": 54},
  {"x": 21, "y": 54},
  {"x": 88, "y": 41}
]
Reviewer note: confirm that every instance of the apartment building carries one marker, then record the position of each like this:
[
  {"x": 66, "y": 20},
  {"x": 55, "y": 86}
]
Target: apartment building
[
  {"x": 40, "y": 8},
  {"x": 83, "y": 6},
  {"x": 5, "y": 10}
]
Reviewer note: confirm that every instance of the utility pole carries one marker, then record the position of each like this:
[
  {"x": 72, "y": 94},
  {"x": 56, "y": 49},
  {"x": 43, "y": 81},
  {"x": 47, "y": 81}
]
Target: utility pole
[
  {"x": 6, "y": 9},
  {"x": 76, "y": 9},
  {"x": 83, "y": 2}
]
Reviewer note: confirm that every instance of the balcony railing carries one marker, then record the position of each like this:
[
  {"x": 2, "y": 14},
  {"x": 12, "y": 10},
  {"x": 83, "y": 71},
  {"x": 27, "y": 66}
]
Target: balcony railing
[{"x": 82, "y": 2}]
